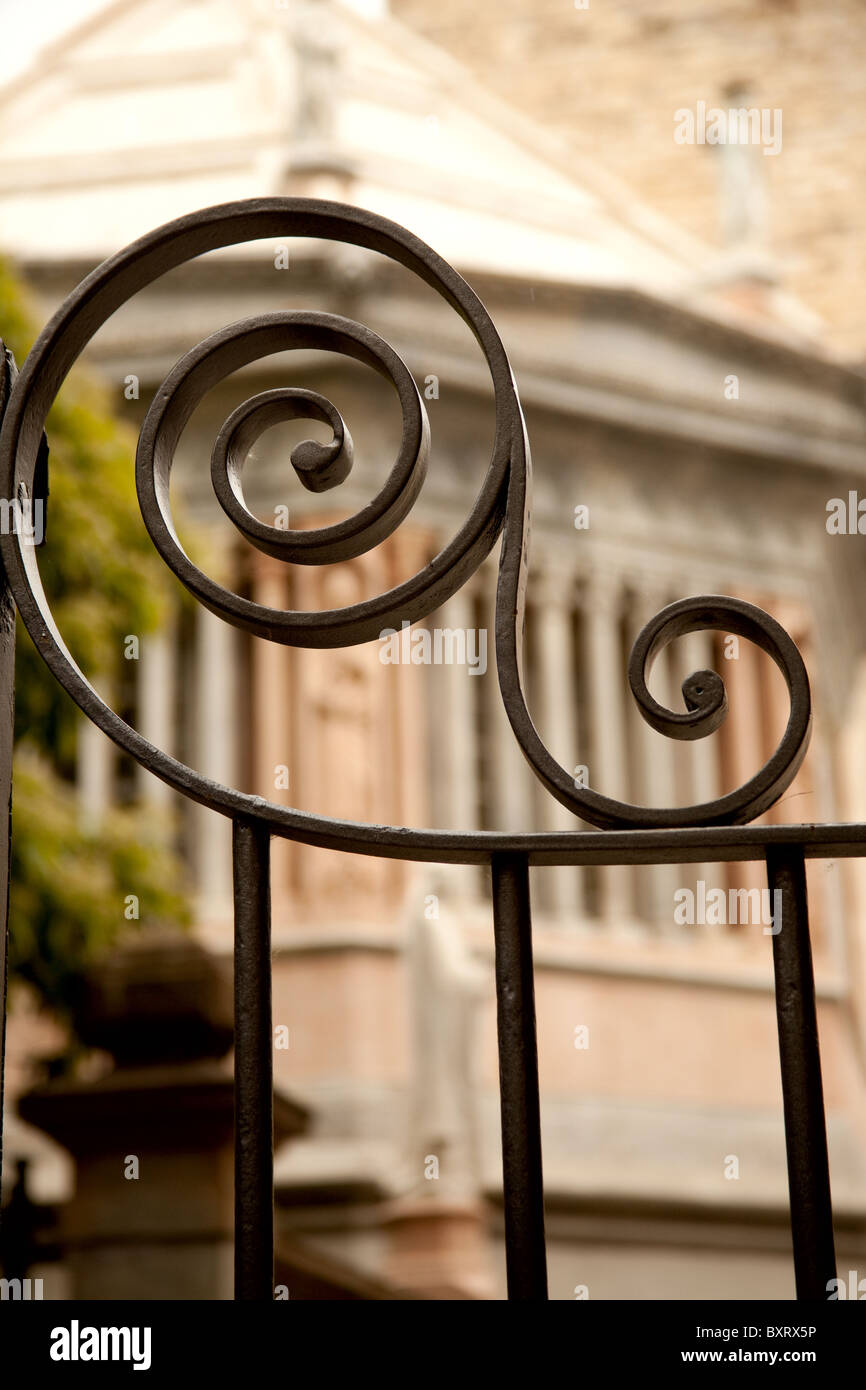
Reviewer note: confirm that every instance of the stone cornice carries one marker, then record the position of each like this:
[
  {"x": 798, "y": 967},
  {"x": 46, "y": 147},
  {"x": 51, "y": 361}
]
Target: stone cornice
[{"x": 601, "y": 391}]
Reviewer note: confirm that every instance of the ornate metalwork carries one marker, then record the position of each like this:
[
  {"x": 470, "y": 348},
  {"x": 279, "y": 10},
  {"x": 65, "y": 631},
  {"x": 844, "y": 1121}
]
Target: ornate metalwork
[
  {"x": 629, "y": 833},
  {"x": 502, "y": 505}
]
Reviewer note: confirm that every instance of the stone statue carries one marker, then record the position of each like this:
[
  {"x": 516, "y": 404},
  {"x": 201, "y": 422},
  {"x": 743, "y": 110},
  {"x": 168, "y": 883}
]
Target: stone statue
[
  {"x": 316, "y": 62},
  {"x": 446, "y": 986}
]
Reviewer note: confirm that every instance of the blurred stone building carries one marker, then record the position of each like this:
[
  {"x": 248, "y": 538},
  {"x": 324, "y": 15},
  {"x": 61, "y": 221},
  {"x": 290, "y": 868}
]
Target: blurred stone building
[
  {"x": 689, "y": 426},
  {"x": 606, "y": 80}
]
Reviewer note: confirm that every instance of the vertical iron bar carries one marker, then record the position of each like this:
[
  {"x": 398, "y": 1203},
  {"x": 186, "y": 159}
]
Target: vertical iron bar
[
  {"x": 802, "y": 1089},
  {"x": 7, "y": 733},
  {"x": 254, "y": 1105},
  {"x": 523, "y": 1190}
]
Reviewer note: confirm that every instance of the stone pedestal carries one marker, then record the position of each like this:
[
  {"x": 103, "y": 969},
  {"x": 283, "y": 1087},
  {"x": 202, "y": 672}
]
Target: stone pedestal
[
  {"x": 437, "y": 1249},
  {"x": 152, "y": 1215}
]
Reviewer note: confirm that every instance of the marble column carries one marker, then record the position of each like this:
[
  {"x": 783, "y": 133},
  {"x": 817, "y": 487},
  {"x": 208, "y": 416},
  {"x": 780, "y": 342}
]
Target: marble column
[
  {"x": 270, "y": 718},
  {"x": 511, "y": 782},
  {"x": 455, "y": 740},
  {"x": 744, "y": 746},
  {"x": 608, "y": 692},
  {"x": 95, "y": 760},
  {"x": 803, "y": 800},
  {"x": 655, "y": 771},
  {"x": 215, "y": 734},
  {"x": 700, "y": 761},
  {"x": 157, "y": 688},
  {"x": 557, "y": 722}
]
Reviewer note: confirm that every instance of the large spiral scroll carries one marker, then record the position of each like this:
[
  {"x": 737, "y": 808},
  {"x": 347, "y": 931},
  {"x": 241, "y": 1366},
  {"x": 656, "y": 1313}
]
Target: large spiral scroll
[{"x": 502, "y": 505}]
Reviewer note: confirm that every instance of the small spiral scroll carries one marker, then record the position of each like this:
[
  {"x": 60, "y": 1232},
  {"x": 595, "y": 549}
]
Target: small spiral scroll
[
  {"x": 320, "y": 466},
  {"x": 502, "y": 505}
]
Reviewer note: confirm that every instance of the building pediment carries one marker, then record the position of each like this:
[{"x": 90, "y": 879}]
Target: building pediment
[{"x": 152, "y": 108}]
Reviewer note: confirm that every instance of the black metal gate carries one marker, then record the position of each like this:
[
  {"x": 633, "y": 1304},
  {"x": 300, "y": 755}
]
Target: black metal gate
[{"x": 715, "y": 831}]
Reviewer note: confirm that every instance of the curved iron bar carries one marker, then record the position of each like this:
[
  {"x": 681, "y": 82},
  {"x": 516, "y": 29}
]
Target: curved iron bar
[
  {"x": 631, "y": 833},
  {"x": 502, "y": 504}
]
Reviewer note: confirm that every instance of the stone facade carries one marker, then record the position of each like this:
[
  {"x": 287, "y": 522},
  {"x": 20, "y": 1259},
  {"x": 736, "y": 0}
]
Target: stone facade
[
  {"x": 703, "y": 433},
  {"x": 607, "y": 78}
]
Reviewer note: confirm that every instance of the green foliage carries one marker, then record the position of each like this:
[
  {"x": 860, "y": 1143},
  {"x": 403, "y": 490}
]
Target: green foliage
[
  {"x": 100, "y": 572},
  {"x": 104, "y": 581},
  {"x": 70, "y": 887}
]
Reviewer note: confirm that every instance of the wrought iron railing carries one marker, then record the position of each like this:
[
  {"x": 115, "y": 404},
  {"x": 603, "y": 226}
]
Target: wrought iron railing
[{"x": 714, "y": 831}]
